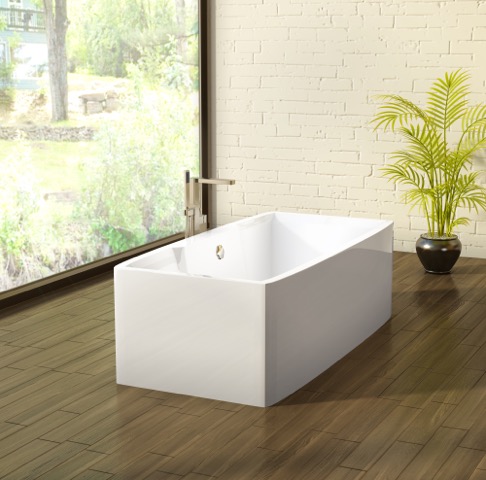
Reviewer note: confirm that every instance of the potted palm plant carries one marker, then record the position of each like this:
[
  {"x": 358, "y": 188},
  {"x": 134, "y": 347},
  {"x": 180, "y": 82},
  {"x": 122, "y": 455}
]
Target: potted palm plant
[{"x": 436, "y": 163}]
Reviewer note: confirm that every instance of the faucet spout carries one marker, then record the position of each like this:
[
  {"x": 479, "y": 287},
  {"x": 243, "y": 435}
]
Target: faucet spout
[
  {"x": 215, "y": 181},
  {"x": 196, "y": 219}
]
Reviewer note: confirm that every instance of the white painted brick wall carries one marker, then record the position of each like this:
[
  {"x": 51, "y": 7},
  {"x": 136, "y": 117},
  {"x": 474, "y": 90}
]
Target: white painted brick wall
[{"x": 294, "y": 82}]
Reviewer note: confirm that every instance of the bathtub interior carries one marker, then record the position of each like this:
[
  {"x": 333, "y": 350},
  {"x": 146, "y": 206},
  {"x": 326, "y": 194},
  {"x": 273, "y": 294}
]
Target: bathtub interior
[{"x": 260, "y": 248}]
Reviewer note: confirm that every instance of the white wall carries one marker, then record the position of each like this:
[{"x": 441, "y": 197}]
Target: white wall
[{"x": 293, "y": 91}]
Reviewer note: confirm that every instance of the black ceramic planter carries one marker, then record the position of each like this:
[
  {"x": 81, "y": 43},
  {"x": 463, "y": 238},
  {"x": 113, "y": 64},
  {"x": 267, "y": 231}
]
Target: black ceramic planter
[{"x": 438, "y": 255}]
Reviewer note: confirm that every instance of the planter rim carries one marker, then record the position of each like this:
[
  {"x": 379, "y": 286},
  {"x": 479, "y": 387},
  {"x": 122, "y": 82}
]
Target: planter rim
[{"x": 426, "y": 236}]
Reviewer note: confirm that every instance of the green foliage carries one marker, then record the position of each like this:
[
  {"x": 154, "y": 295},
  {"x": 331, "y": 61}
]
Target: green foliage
[
  {"x": 37, "y": 238},
  {"x": 437, "y": 174},
  {"x": 159, "y": 36},
  {"x": 7, "y": 69},
  {"x": 18, "y": 205},
  {"x": 134, "y": 194}
]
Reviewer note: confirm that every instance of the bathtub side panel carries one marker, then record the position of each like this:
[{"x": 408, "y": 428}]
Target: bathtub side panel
[
  {"x": 189, "y": 335},
  {"x": 317, "y": 316}
]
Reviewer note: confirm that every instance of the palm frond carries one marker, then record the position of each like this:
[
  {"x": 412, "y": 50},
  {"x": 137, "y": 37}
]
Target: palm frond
[
  {"x": 447, "y": 101},
  {"x": 473, "y": 124},
  {"x": 426, "y": 139},
  {"x": 419, "y": 197},
  {"x": 469, "y": 193},
  {"x": 462, "y": 156},
  {"x": 453, "y": 225},
  {"x": 397, "y": 111}
]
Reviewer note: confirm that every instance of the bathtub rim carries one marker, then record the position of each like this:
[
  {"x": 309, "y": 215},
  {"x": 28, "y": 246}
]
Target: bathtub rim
[{"x": 381, "y": 226}]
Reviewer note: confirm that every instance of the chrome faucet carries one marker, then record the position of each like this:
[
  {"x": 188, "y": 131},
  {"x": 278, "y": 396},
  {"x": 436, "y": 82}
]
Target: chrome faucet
[{"x": 196, "y": 219}]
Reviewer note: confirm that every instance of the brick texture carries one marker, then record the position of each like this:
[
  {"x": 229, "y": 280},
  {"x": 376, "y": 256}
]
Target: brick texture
[{"x": 294, "y": 91}]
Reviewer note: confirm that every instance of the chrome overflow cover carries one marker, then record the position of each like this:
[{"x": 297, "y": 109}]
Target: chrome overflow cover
[{"x": 220, "y": 252}]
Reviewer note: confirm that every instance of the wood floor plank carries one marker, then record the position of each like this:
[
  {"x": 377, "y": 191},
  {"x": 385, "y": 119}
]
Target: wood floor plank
[
  {"x": 302, "y": 408},
  {"x": 445, "y": 342},
  {"x": 16, "y": 459},
  {"x": 143, "y": 467},
  {"x": 477, "y": 336},
  {"x": 342, "y": 473},
  {"x": 20, "y": 438},
  {"x": 58, "y": 355},
  {"x": 478, "y": 360},
  {"x": 87, "y": 363},
  {"x": 456, "y": 387},
  {"x": 401, "y": 318},
  {"x": 197, "y": 476},
  {"x": 344, "y": 426},
  {"x": 425, "y": 341},
  {"x": 93, "y": 475},
  {"x": 478, "y": 475},
  {"x": 82, "y": 427},
  {"x": 10, "y": 356},
  {"x": 66, "y": 331},
  {"x": 433, "y": 455},
  {"x": 476, "y": 435},
  {"x": 316, "y": 460},
  {"x": 378, "y": 441},
  {"x": 37, "y": 388},
  {"x": 250, "y": 466},
  {"x": 126, "y": 446},
  {"x": 424, "y": 426},
  {"x": 48, "y": 310},
  {"x": 405, "y": 383},
  {"x": 460, "y": 464},
  {"x": 217, "y": 461},
  {"x": 7, "y": 372},
  {"x": 393, "y": 461},
  {"x": 49, "y": 400},
  {"x": 395, "y": 344},
  {"x": 109, "y": 423},
  {"x": 474, "y": 318},
  {"x": 189, "y": 459},
  {"x": 407, "y": 403},
  {"x": 101, "y": 329},
  {"x": 72, "y": 466},
  {"x": 458, "y": 357},
  {"x": 46, "y": 461},
  {"x": 470, "y": 407},
  {"x": 423, "y": 392},
  {"x": 302, "y": 443},
  {"x": 455, "y": 316},
  {"x": 100, "y": 389},
  {"x": 482, "y": 463},
  {"x": 48, "y": 332},
  {"x": 186, "y": 404}
]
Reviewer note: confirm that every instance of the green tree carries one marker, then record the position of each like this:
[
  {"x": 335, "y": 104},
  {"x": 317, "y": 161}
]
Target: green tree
[{"x": 147, "y": 33}]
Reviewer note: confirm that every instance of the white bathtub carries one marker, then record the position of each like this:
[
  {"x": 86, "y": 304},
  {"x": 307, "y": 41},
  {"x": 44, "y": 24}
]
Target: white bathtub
[{"x": 292, "y": 295}]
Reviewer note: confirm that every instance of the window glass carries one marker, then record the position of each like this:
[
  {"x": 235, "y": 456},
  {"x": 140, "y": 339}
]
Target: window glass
[{"x": 109, "y": 177}]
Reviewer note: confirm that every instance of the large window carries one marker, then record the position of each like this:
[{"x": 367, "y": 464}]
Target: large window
[{"x": 108, "y": 178}]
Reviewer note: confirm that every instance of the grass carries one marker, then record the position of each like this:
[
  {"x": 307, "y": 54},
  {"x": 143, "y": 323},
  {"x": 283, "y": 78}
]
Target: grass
[{"x": 57, "y": 165}]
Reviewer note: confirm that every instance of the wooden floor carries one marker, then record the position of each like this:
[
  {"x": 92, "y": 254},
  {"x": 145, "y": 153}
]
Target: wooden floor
[{"x": 409, "y": 403}]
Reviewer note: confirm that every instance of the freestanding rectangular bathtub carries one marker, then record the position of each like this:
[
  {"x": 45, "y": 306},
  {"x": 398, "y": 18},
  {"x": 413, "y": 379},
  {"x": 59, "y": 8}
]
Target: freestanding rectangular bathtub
[{"x": 251, "y": 311}]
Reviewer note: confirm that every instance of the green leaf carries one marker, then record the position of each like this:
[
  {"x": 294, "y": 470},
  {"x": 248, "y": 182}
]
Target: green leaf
[
  {"x": 399, "y": 111},
  {"x": 447, "y": 99}
]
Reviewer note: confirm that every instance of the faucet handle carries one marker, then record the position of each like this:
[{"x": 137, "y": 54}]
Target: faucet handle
[
  {"x": 207, "y": 181},
  {"x": 215, "y": 181}
]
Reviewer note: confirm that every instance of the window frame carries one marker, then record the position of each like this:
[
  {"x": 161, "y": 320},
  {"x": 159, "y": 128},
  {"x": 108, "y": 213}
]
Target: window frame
[{"x": 69, "y": 277}]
